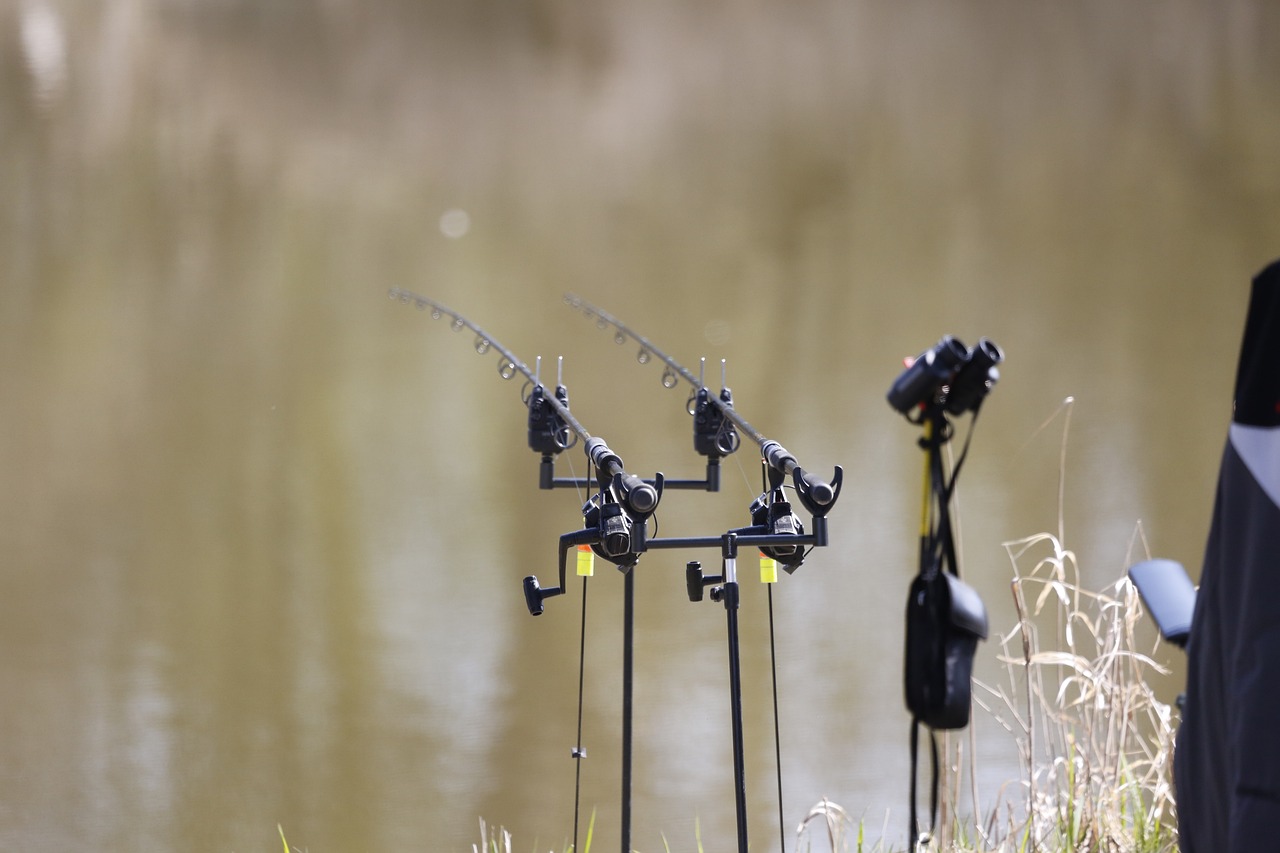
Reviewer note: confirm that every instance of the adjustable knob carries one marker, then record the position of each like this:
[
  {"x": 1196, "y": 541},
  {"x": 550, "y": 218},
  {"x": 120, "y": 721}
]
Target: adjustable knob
[{"x": 693, "y": 580}]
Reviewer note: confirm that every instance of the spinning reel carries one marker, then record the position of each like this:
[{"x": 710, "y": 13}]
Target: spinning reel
[{"x": 615, "y": 520}]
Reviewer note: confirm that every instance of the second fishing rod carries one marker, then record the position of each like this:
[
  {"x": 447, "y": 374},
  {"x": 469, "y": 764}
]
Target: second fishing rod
[
  {"x": 775, "y": 529},
  {"x": 816, "y": 494}
]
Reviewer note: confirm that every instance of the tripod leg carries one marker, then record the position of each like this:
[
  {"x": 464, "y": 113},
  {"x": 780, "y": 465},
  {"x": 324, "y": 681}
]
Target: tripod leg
[{"x": 730, "y": 594}]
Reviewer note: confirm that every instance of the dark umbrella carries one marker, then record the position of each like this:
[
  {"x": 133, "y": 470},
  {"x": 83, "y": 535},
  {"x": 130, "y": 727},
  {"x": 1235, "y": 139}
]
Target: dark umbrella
[{"x": 1227, "y": 763}]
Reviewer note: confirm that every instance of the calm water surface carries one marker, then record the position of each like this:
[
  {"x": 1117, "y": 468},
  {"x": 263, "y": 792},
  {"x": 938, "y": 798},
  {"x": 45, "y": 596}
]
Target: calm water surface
[{"x": 264, "y": 528}]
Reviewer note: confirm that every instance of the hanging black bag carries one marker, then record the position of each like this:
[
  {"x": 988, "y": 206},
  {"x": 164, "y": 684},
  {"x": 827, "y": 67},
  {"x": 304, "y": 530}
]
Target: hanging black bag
[{"x": 945, "y": 620}]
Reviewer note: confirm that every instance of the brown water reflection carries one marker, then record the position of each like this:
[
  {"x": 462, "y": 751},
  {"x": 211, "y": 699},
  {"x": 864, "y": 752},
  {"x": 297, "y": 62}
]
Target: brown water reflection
[{"x": 265, "y": 529}]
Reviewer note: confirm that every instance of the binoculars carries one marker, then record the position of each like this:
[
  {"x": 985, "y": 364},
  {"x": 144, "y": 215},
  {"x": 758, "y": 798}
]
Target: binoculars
[{"x": 948, "y": 374}]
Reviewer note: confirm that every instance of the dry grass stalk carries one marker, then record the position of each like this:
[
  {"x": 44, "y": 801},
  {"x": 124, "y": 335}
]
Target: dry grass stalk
[{"x": 1096, "y": 742}]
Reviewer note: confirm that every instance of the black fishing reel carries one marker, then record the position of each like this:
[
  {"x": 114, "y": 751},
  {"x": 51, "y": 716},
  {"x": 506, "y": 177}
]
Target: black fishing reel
[
  {"x": 948, "y": 376},
  {"x": 771, "y": 515},
  {"x": 615, "y": 521},
  {"x": 617, "y": 529}
]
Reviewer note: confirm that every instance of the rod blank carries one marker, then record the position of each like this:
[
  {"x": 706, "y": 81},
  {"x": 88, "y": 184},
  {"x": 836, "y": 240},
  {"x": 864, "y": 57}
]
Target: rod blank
[{"x": 777, "y": 457}]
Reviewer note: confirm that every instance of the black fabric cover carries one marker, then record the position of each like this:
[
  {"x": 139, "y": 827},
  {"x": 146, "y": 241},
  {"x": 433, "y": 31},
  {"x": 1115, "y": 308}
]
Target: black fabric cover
[
  {"x": 1227, "y": 761},
  {"x": 1257, "y": 401},
  {"x": 945, "y": 620}
]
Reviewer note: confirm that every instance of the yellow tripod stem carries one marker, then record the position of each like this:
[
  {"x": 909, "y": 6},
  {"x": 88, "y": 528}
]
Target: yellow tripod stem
[{"x": 924, "y": 500}]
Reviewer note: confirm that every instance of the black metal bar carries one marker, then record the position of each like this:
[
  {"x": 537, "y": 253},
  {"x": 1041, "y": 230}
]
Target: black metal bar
[
  {"x": 729, "y": 594},
  {"x": 628, "y": 633},
  {"x": 689, "y": 485},
  {"x": 585, "y": 483},
  {"x": 756, "y": 540}
]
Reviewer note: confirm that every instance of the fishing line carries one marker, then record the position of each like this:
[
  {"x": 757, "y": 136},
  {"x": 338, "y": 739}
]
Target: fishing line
[
  {"x": 746, "y": 480},
  {"x": 773, "y": 668},
  {"x": 777, "y": 726},
  {"x": 573, "y": 474},
  {"x": 579, "y": 752}
]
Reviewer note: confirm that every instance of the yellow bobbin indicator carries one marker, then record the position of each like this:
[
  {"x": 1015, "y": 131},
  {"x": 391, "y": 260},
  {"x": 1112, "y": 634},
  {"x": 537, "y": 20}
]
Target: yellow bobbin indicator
[
  {"x": 586, "y": 561},
  {"x": 768, "y": 569}
]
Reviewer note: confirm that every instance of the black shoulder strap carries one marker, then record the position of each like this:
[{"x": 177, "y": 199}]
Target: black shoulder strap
[
  {"x": 916, "y": 834},
  {"x": 943, "y": 546}
]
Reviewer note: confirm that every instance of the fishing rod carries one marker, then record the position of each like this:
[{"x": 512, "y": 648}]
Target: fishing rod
[
  {"x": 817, "y": 495},
  {"x": 615, "y": 518},
  {"x": 775, "y": 528},
  {"x": 617, "y": 515}
]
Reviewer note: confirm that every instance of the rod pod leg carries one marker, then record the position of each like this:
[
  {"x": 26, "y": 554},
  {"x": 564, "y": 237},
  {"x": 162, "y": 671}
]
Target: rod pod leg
[
  {"x": 728, "y": 594},
  {"x": 628, "y": 633}
]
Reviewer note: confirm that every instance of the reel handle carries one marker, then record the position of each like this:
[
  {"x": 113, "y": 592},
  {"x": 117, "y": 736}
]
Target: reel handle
[{"x": 534, "y": 594}]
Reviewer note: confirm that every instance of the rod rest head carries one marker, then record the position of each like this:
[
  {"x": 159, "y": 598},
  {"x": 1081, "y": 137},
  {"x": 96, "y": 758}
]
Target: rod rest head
[{"x": 817, "y": 496}]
